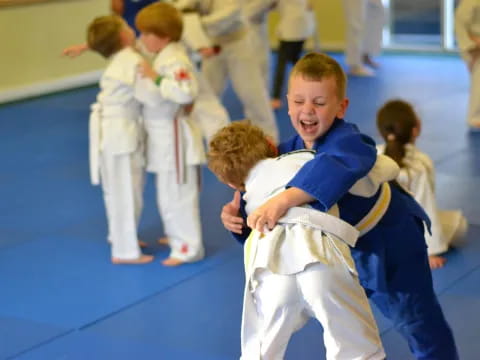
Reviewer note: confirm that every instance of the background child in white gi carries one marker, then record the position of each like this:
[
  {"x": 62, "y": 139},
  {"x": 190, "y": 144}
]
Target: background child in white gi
[
  {"x": 467, "y": 29},
  {"x": 174, "y": 143},
  {"x": 116, "y": 147},
  {"x": 225, "y": 24},
  {"x": 399, "y": 126},
  {"x": 300, "y": 269}
]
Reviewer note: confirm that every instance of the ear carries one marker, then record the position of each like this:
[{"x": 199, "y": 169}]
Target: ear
[
  {"x": 124, "y": 38},
  {"x": 342, "y": 108},
  {"x": 415, "y": 132}
]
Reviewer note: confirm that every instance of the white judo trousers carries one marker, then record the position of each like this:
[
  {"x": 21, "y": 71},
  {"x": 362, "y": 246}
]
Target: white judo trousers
[
  {"x": 365, "y": 20},
  {"x": 122, "y": 178},
  {"x": 256, "y": 11},
  {"x": 325, "y": 287},
  {"x": 327, "y": 293},
  {"x": 179, "y": 208},
  {"x": 238, "y": 62},
  {"x": 261, "y": 46}
]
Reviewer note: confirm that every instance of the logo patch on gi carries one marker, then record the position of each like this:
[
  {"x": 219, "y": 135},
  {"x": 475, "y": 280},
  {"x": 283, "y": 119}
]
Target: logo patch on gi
[
  {"x": 182, "y": 74},
  {"x": 184, "y": 249}
]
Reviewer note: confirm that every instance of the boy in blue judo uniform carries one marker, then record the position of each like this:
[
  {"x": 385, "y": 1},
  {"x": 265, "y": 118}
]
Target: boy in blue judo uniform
[{"x": 391, "y": 255}]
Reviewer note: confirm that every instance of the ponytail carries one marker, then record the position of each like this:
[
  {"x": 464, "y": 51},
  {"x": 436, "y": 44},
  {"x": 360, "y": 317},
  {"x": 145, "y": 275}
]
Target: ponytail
[{"x": 396, "y": 120}]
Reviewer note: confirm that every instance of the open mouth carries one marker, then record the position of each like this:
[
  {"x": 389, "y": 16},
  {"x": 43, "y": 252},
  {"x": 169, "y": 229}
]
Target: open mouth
[{"x": 309, "y": 126}]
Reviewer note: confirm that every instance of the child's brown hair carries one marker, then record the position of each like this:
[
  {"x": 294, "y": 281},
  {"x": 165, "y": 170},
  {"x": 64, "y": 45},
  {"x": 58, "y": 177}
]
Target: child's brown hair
[
  {"x": 316, "y": 66},
  {"x": 161, "y": 19},
  {"x": 235, "y": 149},
  {"x": 396, "y": 121},
  {"x": 103, "y": 34}
]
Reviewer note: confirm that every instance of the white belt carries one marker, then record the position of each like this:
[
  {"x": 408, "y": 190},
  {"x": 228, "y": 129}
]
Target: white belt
[
  {"x": 95, "y": 129},
  {"x": 322, "y": 221},
  {"x": 179, "y": 150}
]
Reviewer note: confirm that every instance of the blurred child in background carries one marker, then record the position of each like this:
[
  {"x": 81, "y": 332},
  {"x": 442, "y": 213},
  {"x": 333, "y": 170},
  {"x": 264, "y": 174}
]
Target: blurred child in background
[{"x": 400, "y": 126}]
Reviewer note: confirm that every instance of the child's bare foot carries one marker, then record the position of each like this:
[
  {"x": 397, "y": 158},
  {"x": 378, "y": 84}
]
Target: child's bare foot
[
  {"x": 164, "y": 241},
  {"x": 142, "y": 244},
  {"x": 142, "y": 259},
  {"x": 436, "y": 262},
  {"x": 172, "y": 262}
]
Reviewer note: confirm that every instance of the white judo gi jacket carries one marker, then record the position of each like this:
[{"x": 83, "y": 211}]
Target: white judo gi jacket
[{"x": 174, "y": 140}]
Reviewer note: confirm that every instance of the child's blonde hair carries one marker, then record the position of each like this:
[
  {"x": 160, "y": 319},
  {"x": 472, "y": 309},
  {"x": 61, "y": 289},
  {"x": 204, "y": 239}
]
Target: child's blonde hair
[
  {"x": 103, "y": 34},
  {"x": 316, "y": 66},
  {"x": 161, "y": 19},
  {"x": 396, "y": 121},
  {"x": 235, "y": 149}
]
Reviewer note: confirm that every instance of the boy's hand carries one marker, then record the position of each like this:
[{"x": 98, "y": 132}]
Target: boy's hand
[
  {"x": 74, "y": 50},
  {"x": 267, "y": 215},
  {"x": 146, "y": 70},
  {"x": 230, "y": 215}
]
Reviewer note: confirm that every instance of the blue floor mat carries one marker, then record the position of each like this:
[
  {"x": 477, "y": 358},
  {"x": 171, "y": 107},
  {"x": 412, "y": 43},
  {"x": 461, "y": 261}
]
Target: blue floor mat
[{"x": 61, "y": 298}]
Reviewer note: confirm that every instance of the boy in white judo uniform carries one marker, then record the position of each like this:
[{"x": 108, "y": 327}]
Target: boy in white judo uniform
[
  {"x": 116, "y": 142},
  {"x": 174, "y": 146},
  {"x": 302, "y": 268},
  {"x": 467, "y": 30},
  {"x": 400, "y": 126}
]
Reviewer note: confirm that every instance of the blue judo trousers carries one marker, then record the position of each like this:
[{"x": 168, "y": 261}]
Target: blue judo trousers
[{"x": 391, "y": 258}]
